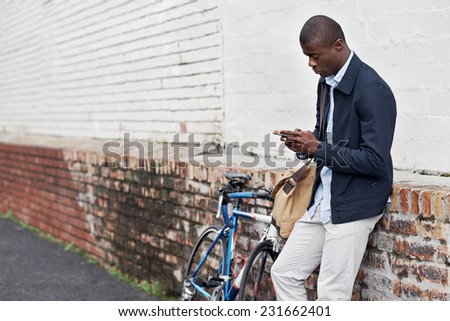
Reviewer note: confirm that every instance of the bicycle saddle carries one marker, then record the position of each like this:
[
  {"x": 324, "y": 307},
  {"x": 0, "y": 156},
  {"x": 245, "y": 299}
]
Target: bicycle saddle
[
  {"x": 236, "y": 176},
  {"x": 236, "y": 181}
]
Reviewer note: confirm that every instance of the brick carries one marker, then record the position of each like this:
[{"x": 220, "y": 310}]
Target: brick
[
  {"x": 243, "y": 243},
  {"x": 385, "y": 242},
  {"x": 311, "y": 282},
  {"x": 400, "y": 267},
  {"x": 375, "y": 260},
  {"x": 399, "y": 246},
  {"x": 380, "y": 283},
  {"x": 368, "y": 294},
  {"x": 404, "y": 200},
  {"x": 372, "y": 242},
  {"x": 403, "y": 226},
  {"x": 413, "y": 292},
  {"x": 356, "y": 295},
  {"x": 447, "y": 207},
  {"x": 433, "y": 274},
  {"x": 397, "y": 289},
  {"x": 443, "y": 255},
  {"x": 423, "y": 252},
  {"x": 118, "y": 174},
  {"x": 438, "y": 101},
  {"x": 437, "y": 231},
  {"x": 395, "y": 198},
  {"x": 384, "y": 222},
  {"x": 182, "y": 170},
  {"x": 438, "y": 205},
  {"x": 361, "y": 275},
  {"x": 426, "y": 203},
  {"x": 415, "y": 202},
  {"x": 436, "y": 295}
]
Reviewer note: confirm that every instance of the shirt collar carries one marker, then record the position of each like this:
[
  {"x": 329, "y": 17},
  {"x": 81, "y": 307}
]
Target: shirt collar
[{"x": 333, "y": 80}]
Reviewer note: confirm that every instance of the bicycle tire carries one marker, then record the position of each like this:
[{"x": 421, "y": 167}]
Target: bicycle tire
[
  {"x": 208, "y": 275},
  {"x": 257, "y": 285}
]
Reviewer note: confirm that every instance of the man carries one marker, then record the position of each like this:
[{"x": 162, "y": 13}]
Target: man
[{"x": 354, "y": 173}]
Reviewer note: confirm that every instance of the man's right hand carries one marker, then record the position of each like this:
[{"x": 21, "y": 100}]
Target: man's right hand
[{"x": 299, "y": 141}]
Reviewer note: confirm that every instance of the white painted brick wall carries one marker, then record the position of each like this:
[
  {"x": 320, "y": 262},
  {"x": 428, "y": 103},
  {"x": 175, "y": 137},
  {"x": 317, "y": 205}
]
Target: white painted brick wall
[
  {"x": 101, "y": 68},
  {"x": 226, "y": 69},
  {"x": 267, "y": 80}
]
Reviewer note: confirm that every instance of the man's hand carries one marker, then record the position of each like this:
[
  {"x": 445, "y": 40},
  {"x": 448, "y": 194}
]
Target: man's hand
[{"x": 299, "y": 141}]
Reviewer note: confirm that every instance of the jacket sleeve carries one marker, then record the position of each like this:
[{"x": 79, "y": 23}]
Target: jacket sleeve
[{"x": 377, "y": 112}]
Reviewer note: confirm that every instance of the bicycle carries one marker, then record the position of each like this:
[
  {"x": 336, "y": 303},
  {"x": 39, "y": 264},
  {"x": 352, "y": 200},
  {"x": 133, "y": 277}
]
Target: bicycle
[{"x": 212, "y": 267}]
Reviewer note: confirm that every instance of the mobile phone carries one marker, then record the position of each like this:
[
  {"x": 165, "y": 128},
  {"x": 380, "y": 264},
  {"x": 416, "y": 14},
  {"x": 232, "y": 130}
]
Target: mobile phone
[{"x": 278, "y": 132}]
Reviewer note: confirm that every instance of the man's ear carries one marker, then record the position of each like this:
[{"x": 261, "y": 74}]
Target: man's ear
[{"x": 339, "y": 44}]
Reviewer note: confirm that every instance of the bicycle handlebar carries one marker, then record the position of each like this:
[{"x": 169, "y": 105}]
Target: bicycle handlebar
[
  {"x": 259, "y": 194},
  {"x": 263, "y": 194}
]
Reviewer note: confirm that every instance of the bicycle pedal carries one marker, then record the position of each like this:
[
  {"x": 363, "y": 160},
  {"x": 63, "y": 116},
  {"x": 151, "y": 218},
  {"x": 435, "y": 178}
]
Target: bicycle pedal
[{"x": 207, "y": 283}]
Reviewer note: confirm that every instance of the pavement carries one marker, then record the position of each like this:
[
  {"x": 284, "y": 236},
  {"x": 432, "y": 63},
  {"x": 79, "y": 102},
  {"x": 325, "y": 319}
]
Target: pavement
[{"x": 35, "y": 269}]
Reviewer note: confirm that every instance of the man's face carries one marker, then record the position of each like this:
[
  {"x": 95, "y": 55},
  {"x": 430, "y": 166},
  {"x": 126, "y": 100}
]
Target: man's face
[{"x": 324, "y": 60}]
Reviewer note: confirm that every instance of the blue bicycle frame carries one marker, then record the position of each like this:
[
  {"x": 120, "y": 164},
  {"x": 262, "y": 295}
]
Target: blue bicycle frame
[{"x": 230, "y": 230}]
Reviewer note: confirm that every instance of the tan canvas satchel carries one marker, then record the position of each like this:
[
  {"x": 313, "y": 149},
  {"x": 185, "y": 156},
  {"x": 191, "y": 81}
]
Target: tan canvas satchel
[{"x": 292, "y": 193}]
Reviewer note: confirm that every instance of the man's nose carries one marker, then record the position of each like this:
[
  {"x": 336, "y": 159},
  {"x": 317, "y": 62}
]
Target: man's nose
[{"x": 312, "y": 63}]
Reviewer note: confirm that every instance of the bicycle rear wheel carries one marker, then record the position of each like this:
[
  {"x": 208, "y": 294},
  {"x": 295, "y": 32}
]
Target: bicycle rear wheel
[
  {"x": 256, "y": 282},
  {"x": 209, "y": 275}
]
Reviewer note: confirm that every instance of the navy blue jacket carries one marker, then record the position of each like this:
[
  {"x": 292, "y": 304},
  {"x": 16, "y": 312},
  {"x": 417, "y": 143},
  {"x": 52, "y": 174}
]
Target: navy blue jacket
[{"x": 363, "y": 130}]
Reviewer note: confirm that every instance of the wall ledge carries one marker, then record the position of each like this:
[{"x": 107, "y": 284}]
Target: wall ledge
[{"x": 94, "y": 147}]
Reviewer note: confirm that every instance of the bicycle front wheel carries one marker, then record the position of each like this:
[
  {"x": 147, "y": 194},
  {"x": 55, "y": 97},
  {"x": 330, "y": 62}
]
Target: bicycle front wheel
[
  {"x": 256, "y": 282},
  {"x": 208, "y": 276}
]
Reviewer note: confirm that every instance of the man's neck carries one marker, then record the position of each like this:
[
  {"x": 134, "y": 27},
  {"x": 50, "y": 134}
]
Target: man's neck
[{"x": 345, "y": 54}]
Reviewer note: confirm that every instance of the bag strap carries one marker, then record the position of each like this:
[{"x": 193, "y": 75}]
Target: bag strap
[
  {"x": 323, "y": 93},
  {"x": 298, "y": 174},
  {"x": 295, "y": 178}
]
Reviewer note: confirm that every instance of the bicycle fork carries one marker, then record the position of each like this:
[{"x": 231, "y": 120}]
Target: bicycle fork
[
  {"x": 237, "y": 284},
  {"x": 270, "y": 233}
]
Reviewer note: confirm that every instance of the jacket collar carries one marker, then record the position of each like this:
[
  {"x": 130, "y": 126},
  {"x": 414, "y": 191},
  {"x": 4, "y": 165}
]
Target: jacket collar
[{"x": 348, "y": 81}]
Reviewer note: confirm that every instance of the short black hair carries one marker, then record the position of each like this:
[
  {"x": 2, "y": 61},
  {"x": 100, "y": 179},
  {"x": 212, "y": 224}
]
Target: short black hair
[{"x": 322, "y": 29}]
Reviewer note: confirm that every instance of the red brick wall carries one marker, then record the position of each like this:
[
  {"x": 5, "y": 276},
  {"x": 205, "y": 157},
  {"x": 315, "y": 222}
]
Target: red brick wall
[
  {"x": 408, "y": 256},
  {"x": 37, "y": 186},
  {"x": 145, "y": 220}
]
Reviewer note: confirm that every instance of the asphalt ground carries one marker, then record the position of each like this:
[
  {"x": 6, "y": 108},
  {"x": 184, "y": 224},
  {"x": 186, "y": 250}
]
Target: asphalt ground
[{"x": 35, "y": 269}]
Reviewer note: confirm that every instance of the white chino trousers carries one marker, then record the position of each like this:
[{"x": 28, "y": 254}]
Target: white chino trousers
[{"x": 338, "y": 248}]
